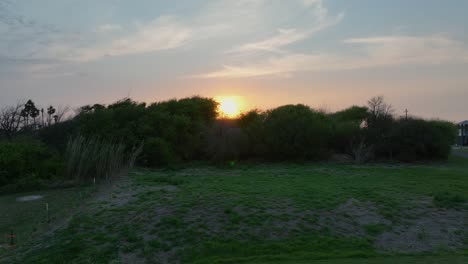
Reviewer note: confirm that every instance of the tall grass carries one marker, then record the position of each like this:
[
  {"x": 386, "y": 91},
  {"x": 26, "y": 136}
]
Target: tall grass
[{"x": 98, "y": 158}]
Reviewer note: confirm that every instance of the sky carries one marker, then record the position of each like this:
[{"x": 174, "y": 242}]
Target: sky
[{"x": 329, "y": 54}]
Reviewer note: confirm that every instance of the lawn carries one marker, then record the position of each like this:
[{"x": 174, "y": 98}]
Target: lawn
[
  {"x": 28, "y": 219},
  {"x": 382, "y": 260},
  {"x": 270, "y": 213}
]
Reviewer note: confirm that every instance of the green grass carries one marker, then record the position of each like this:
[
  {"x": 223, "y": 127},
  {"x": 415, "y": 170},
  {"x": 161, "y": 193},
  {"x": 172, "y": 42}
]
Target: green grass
[
  {"x": 29, "y": 219},
  {"x": 258, "y": 213},
  {"x": 464, "y": 149},
  {"x": 380, "y": 260}
]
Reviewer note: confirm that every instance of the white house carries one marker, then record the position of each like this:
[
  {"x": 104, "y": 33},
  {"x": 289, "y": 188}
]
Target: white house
[{"x": 463, "y": 133}]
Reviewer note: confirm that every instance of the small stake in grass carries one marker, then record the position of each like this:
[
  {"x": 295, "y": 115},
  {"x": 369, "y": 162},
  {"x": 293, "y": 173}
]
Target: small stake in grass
[
  {"x": 11, "y": 239},
  {"x": 47, "y": 211}
]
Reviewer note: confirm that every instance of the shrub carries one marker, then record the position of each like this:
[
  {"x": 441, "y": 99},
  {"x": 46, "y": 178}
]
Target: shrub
[
  {"x": 347, "y": 131},
  {"x": 378, "y": 127},
  {"x": 182, "y": 124},
  {"x": 417, "y": 139},
  {"x": 178, "y": 124},
  {"x": 120, "y": 120},
  {"x": 252, "y": 124},
  {"x": 296, "y": 132},
  {"x": 57, "y": 135},
  {"x": 225, "y": 141},
  {"x": 27, "y": 158},
  {"x": 355, "y": 114},
  {"x": 156, "y": 152}
]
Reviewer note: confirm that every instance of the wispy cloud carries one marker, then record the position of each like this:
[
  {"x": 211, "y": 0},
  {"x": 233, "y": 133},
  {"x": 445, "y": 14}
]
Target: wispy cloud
[
  {"x": 397, "y": 50},
  {"x": 215, "y": 20},
  {"x": 273, "y": 44},
  {"x": 257, "y": 31},
  {"x": 163, "y": 33},
  {"x": 318, "y": 19},
  {"x": 385, "y": 51},
  {"x": 107, "y": 28}
]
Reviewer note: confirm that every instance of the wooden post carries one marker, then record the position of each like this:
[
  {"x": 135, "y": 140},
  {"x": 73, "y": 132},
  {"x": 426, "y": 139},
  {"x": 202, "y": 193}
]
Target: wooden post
[
  {"x": 47, "y": 211},
  {"x": 12, "y": 239}
]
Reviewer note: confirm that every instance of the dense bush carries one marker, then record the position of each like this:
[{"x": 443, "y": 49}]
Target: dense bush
[
  {"x": 56, "y": 136},
  {"x": 157, "y": 152},
  {"x": 27, "y": 162},
  {"x": 121, "y": 120},
  {"x": 174, "y": 129},
  {"x": 296, "y": 132},
  {"x": 347, "y": 128},
  {"x": 416, "y": 139},
  {"x": 188, "y": 129},
  {"x": 225, "y": 141},
  {"x": 183, "y": 124},
  {"x": 252, "y": 124}
]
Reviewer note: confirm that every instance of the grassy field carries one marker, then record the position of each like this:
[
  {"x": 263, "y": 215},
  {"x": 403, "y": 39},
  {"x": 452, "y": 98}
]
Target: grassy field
[
  {"x": 271, "y": 213},
  {"x": 29, "y": 219}
]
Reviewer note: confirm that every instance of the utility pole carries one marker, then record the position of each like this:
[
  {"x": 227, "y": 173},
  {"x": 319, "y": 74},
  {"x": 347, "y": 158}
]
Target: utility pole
[{"x": 406, "y": 114}]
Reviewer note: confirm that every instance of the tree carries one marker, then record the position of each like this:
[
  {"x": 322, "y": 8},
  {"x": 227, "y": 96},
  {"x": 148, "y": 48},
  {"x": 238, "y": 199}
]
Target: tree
[
  {"x": 11, "y": 120},
  {"x": 297, "y": 132},
  {"x": 347, "y": 132},
  {"x": 379, "y": 125},
  {"x": 61, "y": 114},
  {"x": 379, "y": 111},
  {"x": 30, "y": 110},
  {"x": 50, "y": 114}
]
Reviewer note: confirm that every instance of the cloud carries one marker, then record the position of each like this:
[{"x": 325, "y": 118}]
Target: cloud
[
  {"x": 273, "y": 44},
  {"x": 278, "y": 66},
  {"x": 29, "y": 40},
  {"x": 385, "y": 51},
  {"x": 317, "y": 19},
  {"x": 215, "y": 20},
  {"x": 163, "y": 33},
  {"x": 20, "y": 37},
  {"x": 224, "y": 27},
  {"x": 398, "y": 50},
  {"x": 107, "y": 28}
]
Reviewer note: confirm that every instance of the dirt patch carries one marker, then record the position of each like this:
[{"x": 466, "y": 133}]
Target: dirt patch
[
  {"x": 424, "y": 229},
  {"x": 429, "y": 229},
  {"x": 349, "y": 218},
  {"x": 130, "y": 258},
  {"x": 122, "y": 192}
]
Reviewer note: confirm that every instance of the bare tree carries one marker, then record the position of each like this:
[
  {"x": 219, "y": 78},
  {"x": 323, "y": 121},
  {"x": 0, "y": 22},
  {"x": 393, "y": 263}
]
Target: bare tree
[
  {"x": 11, "y": 120},
  {"x": 62, "y": 113},
  {"x": 378, "y": 111}
]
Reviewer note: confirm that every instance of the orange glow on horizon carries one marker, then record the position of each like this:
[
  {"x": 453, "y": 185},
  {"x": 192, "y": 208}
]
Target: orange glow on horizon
[{"x": 229, "y": 106}]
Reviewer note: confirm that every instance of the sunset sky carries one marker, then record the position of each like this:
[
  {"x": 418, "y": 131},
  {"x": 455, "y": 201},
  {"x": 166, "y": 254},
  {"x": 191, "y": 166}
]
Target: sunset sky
[{"x": 328, "y": 54}]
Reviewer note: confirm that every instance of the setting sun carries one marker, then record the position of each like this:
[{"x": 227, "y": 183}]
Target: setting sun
[{"x": 229, "y": 107}]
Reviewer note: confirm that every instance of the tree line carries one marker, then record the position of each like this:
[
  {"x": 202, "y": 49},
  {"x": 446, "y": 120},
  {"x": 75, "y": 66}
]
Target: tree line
[
  {"x": 27, "y": 117},
  {"x": 37, "y": 143}
]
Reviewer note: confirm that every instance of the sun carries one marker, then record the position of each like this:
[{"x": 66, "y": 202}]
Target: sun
[{"x": 229, "y": 106}]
